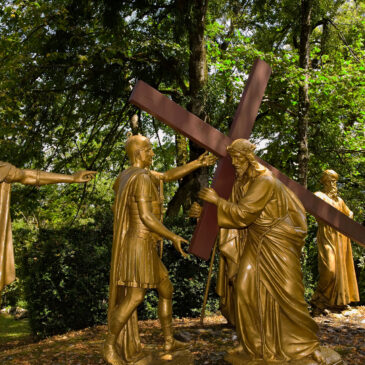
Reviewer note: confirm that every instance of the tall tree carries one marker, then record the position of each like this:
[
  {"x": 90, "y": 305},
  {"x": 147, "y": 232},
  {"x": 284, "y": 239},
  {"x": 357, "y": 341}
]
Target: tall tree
[
  {"x": 195, "y": 16},
  {"x": 303, "y": 104}
]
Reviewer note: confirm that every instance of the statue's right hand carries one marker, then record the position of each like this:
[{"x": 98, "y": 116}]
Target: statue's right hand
[
  {"x": 195, "y": 210},
  {"x": 83, "y": 176},
  {"x": 177, "y": 244},
  {"x": 209, "y": 195}
]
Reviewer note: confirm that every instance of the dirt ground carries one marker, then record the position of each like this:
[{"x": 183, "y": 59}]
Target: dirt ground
[{"x": 344, "y": 332}]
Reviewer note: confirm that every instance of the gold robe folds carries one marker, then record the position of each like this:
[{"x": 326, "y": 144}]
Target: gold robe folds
[
  {"x": 337, "y": 285},
  {"x": 270, "y": 313},
  {"x": 7, "y": 266}
]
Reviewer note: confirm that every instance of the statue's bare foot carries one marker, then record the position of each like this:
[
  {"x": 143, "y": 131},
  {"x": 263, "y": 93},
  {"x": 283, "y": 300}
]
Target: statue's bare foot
[
  {"x": 235, "y": 350},
  {"x": 173, "y": 345},
  {"x": 110, "y": 355},
  {"x": 317, "y": 356}
]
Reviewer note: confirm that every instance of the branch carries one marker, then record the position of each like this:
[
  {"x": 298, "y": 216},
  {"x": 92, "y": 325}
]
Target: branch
[{"x": 344, "y": 41}]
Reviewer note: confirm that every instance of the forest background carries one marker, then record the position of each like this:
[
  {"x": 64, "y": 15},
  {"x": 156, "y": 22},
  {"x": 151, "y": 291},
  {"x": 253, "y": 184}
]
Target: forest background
[{"x": 67, "y": 68}]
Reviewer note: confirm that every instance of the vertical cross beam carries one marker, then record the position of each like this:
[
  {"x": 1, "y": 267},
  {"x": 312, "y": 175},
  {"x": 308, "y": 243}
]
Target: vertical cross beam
[{"x": 207, "y": 228}]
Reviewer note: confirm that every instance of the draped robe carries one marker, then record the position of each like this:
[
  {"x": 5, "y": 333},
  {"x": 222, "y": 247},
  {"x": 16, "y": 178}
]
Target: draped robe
[
  {"x": 7, "y": 266},
  {"x": 337, "y": 285},
  {"x": 128, "y": 342},
  {"x": 270, "y": 313}
]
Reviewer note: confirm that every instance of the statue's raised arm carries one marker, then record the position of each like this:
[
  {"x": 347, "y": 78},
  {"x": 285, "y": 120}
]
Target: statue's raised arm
[{"x": 206, "y": 159}]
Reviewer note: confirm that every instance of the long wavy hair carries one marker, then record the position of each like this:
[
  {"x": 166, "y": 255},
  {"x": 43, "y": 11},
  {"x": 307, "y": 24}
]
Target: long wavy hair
[{"x": 245, "y": 147}]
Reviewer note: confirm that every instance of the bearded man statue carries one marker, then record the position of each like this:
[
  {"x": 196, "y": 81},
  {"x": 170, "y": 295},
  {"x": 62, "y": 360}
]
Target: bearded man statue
[{"x": 337, "y": 285}]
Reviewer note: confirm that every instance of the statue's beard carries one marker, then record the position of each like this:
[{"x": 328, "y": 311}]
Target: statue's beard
[
  {"x": 241, "y": 171},
  {"x": 331, "y": 192}
]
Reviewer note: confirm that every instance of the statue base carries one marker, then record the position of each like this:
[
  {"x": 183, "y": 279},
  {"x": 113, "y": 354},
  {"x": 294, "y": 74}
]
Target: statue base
[
  {"x": 331, "y": 356},
  {"x": 155, "y": 357},
  {"x": 178, "y": 357}
]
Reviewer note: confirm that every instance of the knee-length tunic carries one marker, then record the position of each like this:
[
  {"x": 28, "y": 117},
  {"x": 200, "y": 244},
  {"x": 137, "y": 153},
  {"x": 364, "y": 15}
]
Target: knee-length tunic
[{"x": 138, "y": 262}]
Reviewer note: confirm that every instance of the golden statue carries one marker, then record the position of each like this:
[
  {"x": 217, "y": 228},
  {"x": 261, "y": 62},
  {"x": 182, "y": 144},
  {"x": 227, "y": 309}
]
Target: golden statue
[
  {"x": 337, "y": 285},
  {"x": 135, "y": 264},
  {"x": 263, "y": 227},
  {"x": 10, "y": 174}
]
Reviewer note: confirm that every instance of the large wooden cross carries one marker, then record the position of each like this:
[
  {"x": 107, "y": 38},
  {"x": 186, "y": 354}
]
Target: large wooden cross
[{"x": 164, "y": 109}]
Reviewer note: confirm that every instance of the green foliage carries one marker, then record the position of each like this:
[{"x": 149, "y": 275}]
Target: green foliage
[{"x": 65, "y": 275}]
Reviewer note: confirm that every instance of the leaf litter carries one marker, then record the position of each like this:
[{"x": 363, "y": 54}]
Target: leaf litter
[{"x": 344, "y": 332}]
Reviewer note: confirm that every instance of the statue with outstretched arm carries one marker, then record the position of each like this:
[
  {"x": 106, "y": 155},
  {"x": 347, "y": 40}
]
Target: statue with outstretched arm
[{"x": 10, "y": 174}]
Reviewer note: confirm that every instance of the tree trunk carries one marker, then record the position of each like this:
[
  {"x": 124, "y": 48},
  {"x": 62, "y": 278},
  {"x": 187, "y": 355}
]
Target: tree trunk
[
  {"x": 303, "y": 119},
  {"x": 191, "y": 184}
]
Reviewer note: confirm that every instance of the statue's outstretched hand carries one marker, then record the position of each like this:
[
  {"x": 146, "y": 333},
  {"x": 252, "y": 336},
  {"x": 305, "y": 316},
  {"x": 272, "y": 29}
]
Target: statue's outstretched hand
[
  {"x": 207, "y": 159},
  {"x": 177, "y": 244},
  {"x": 209, "y": 195},
  {"x": 195, "y": 210},
  {"x": 83, "y": 176}
]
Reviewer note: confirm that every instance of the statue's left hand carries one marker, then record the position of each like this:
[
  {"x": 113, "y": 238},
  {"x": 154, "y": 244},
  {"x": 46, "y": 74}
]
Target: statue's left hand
[
  {"x": 207, "y": 159},
  {"x": 209, "y": 195},
  {"x": 177, "y": 240},
  {"x": 83, "y": 176}
]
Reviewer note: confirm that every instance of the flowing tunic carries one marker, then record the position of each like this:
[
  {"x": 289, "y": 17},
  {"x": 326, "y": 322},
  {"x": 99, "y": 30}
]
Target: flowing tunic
[
  {"x": 271, "y": 315},
  {"x": 7, "y": 266},
  {"x": 337, "y": 285}
]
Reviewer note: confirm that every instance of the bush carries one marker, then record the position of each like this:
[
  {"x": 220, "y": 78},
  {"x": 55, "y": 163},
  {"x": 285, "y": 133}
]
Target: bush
[{"x": 65, "y": 277}]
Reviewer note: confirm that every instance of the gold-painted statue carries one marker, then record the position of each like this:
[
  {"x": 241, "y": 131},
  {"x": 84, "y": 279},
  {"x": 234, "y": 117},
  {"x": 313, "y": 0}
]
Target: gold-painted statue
[
  {"x": 337, "y": 285},
  {"x": 10, "y": 174},
  {"x": 263, "y": 227},
  {"x": 135, "y": 265}
]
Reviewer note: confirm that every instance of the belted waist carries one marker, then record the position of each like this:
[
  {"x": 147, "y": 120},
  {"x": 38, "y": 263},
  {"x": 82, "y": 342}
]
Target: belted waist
[
  {"x": 141, "y": 231},
  {"x": 135, "y": 220},
  {"x": 156, "y": 209}
]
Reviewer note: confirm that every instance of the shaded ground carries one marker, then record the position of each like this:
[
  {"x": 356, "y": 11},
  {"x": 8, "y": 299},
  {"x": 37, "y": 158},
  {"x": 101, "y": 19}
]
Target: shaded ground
[
  {"x": 13, "y": 332},
  {"x": 343, "y": 332}
]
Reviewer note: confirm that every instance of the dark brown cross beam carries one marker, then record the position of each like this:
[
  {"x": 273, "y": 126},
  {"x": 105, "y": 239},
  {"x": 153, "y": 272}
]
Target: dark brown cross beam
[{"x": 164, "y": 109}]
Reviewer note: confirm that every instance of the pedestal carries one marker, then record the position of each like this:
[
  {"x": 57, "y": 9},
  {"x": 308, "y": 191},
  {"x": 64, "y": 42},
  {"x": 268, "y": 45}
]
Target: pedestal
[{"x": 155, "y": 357}]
